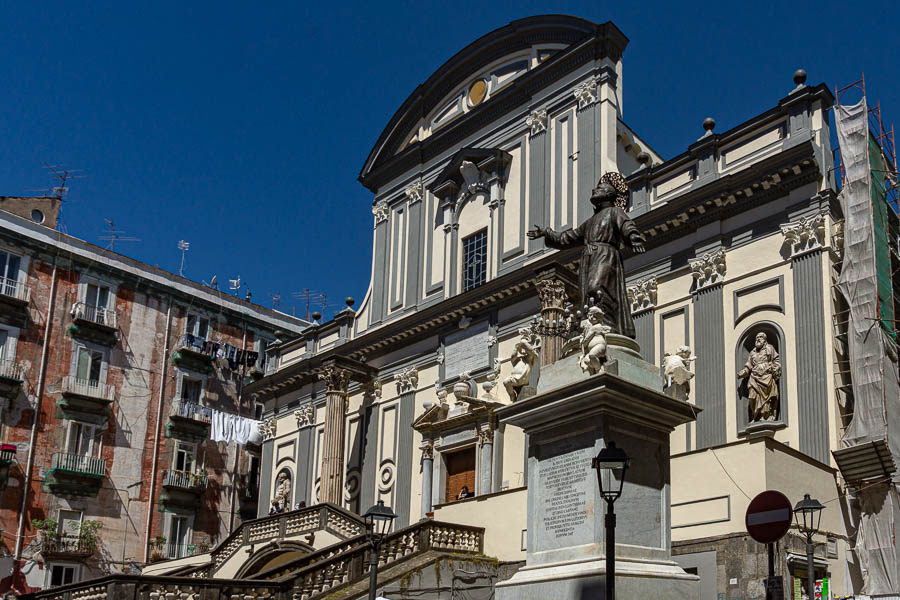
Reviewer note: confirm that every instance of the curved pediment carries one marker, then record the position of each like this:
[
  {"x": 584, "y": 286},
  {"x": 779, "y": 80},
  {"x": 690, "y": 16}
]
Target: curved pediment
[{"x": 484, "y": 69}]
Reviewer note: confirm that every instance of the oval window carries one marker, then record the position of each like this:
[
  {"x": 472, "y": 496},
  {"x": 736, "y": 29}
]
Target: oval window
[{"x": 477, "y": 92}]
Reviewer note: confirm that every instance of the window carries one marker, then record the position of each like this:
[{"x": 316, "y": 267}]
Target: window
[
  {"x": 197, "y": 326},
  {"x": 81, "y": 439},
  {"x": 253, "y": 476},
  {"x": 63, "y": 574},
  {"x": 89, "y": 364},
  {"x": 179, "y": 536},
  {"x": 69, "y": 523},
  {"x": 261, "y": 346},
  {"x": 460, "y": 473},
  {"x": 97, "y": 295},
  {"x": 9, "y": 271},
  {"x": 5, "y": 346},
  {"x": 191, "y": 389},
  {"x": 183, "y": 458},
  {"x": 474, "y": 260}
]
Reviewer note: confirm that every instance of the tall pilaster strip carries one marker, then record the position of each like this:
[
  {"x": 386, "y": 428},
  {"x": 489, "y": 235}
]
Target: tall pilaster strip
[
  {"x": 709, "y": 334},
  {"x": 370, "y": 452},
  {"x": 642, "y": 296},
  {"x": 415, "y": 250},
  {"x": 379, "y": 282},
  {"x": 586, "y": 173},
  {"x": 405, "y": 457},
  {"x": 265, "y": 479},
  {"x": 332, "y": 480},
  {"x": 538, "y": 202},
  {"x": 304, "y": 448}
]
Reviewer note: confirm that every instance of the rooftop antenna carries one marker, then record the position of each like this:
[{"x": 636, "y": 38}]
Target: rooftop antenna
[
  {"x": 113, "y": 235},
  {"x": 276, "y": 299},
  {"x": 234, "y": 284},
  {"x": 309, "y": 296},
  {"x": 212, "y": 282},
  {"x": 62, "y": 175},
  {"x": 184, "y": 247}
]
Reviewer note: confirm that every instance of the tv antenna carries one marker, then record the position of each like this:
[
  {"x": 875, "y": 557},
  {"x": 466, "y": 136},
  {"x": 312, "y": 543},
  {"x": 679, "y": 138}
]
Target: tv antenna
[
  {"x": 276, "y": 299},
  {"x": 114, "y": 235},
  {"x": 62, "y": 175},
  {"x": 310, "y": 297},
  {"x": 184, "y": 247},
  {"x": 212, "y": 282},
  {"x": 235, "y": 285}
]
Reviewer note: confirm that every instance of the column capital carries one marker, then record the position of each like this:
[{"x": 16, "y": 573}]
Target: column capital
[
  {"x": 306, "y": 415},
  {"x": 414, "y": 192},
  {"x": 709, "y": 269},
  {"x": 427, "y": 449},
  {"x": 804, "y": 235},
  {"x": 407, "y": 380},
  {"x": 335, "y": 378},
  {"x": 267, "y": 428},
  {"x": 537, "y": 121},
  {"x": 380, "y": 212},
  {"x": 555, "y": 285},
  {"x": 642, "y": 295},
  {"x": 485, "y": 434},
  {"x": 586, "y": 93}
]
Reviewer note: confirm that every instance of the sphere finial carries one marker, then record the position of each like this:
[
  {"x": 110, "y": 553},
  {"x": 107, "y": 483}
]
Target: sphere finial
[{"x": 800, "y": 77}]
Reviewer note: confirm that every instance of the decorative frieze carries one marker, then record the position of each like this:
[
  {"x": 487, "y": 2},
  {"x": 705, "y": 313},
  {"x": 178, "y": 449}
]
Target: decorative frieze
[
  {"x": 414, "y": 192},
  {"x": 407, "y": 380},
  {"x": 709, "y": 269},
  {"x": 642, "y": 295},
  {"x": 805, "y": 235},
  {"x": 586, "y": 93},
  {"x": 380, "y": 211},
  {"x": 267, "y": 429},
  {"x": 537, "y": 121},
  {"x": 306, "y": 415}
]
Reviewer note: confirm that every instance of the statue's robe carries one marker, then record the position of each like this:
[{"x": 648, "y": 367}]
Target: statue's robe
[
  {"x": 602, "y": 272},
  {"x": 763, "y": 369}
]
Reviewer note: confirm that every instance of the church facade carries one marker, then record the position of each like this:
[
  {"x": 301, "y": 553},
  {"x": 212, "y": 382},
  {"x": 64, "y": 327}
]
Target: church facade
[{"x": 395, "y": 400}]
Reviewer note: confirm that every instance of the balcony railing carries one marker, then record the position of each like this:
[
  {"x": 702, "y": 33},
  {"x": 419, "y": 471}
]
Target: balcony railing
[
  {"x": 184, "y": 479},
  {"x": 66, "y": 545},
  {"x": 87, "y": 387},
  {"x": 94, "y": 314},
  {"x": 14, "y": 289},
  {"x": 10, "y": 369},
  {"x": 191, "y": 410},
  {"x": 79, "y": 463},
  {"x": 192, "y": 342},
  {"x": 182, "y": 550}
]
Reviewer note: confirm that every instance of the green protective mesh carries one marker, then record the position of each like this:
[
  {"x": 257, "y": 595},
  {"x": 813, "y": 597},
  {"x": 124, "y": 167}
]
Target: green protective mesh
[{"x": 880, "y": 206}]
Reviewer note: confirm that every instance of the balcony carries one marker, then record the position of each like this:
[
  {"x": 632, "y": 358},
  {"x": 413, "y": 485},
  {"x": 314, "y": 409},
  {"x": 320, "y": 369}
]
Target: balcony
[
  {"x": 66, "y": 547},
  {"x": 98, "y": 325},
  {"x": 191, "y": 353},
  {"x": 12, "y": 374},
  {"x": 181, "y": 490},
  {"x": 84, "y": 400},
  {"x": 7, "y": 455},
  {"x": 74, "y": 475},
  {"x": 173, "y": 551},
  {"x": 14, "y": 299},
  {"x": 188, "y": 421}
]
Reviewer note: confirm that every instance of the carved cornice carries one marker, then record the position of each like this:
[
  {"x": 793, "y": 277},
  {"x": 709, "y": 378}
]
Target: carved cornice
[
  {"x": 267, "y": 429},
  {"x": 335, "y": 378},
  {"x": 586, "y": 93},
  {"x": 537, "y": 121},
  {"x": 414, "y": 192},
  {"x": 306, "y": 415},
  {"x": 805, "y": 235},
  {"x": 709, "y": 269},
  {"x": 380, "y": 211},
  {"x": 642, "y": 295},
  {"x": 407, "y": 380}
]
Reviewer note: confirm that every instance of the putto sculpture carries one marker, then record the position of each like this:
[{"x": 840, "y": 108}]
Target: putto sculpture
[
  {"x": 593, "y": 341},
  {"x": 523, "y": 359},
  {"x": 602, "y": 275},
  {"x": 677, "y": 368},
  {"x": 762, "y": 371}
]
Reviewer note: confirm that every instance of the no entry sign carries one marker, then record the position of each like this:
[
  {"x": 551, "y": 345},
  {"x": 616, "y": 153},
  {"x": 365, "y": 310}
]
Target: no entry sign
[{"x": 768, "y": 517}]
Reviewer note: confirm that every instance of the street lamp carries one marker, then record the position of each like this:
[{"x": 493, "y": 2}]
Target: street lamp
[
  {"x": 378, "y": 523},
  {"x": 808, "y": 514},
  {"x": 611, "y": 464}
]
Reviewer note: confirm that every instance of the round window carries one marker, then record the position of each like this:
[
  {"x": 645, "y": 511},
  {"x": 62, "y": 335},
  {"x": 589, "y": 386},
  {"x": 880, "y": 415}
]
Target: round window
[
  {"x": 37, "y": 216},
  {"x": 477, "y": 92}
]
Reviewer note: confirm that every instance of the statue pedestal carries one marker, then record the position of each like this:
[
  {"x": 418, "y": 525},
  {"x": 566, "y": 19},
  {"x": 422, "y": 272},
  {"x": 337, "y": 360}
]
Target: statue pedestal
[{"x": 570, "y": 419}]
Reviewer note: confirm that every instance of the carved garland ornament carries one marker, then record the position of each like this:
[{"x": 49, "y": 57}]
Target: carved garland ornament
[
  {"x": 306, "y": 415},
  {"x": 537, "y": 121},
  {"x": 642, "y": 295},
  {"x": 709, "y": 269},
  {"x": 407, "y": 380},
  {"x": 805, "y": 235}
]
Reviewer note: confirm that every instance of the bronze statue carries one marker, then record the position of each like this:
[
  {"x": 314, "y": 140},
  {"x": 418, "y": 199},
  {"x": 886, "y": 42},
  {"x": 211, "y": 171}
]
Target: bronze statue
[
  {"x": 762, "y": 371},
  {"x": 603, "y": 235}
]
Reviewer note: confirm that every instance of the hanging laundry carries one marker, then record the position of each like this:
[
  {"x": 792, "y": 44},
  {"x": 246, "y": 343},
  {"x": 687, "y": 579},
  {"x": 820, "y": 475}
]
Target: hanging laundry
[
  {"x": 242, "y": 429},
  {"x": 222, "y": 429}
]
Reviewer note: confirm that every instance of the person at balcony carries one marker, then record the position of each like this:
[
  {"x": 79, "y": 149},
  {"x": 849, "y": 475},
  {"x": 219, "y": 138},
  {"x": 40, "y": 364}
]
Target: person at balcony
[
  {"x": 602, "y": 235},
  {"x": 464, "y": 493}
]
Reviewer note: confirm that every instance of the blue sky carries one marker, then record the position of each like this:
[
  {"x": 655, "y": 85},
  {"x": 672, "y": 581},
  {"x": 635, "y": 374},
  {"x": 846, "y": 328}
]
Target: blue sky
[{"x": 242, "y": 127}]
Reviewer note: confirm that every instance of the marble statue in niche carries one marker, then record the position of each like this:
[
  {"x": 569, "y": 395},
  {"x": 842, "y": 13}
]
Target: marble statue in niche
[
  {"x": 523, "y": 359},
  {"x": 593, "y": 341},
  {"x": 761, "y": 374},
  {"x": 281, "y": 499},
  {"x": 602, "y": 274}
]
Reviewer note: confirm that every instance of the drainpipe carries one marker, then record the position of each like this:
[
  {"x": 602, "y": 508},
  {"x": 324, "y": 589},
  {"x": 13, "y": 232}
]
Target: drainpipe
[
  {"x": 159, "y": 416},
  {"x": 42, "y": 375},
  {"x": 237, "y": 450}
]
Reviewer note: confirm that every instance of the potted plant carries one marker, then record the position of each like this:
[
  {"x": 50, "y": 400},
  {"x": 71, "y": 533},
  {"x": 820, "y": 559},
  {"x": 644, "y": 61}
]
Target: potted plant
[
  {"x": 157, "y": 545},
  {"x": 88, "y": 534}
]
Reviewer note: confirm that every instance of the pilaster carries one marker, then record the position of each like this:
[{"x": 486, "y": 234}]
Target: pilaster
[
  {"x": 709, "y": 333},
  {"x": 407, "y": 382}
]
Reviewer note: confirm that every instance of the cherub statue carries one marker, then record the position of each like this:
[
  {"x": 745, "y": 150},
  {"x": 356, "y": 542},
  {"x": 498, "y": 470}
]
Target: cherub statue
[
  {"x": 523, "y": 360},
  {"x": 677, "y": 367},
  {"x": 593, "y": 341}
]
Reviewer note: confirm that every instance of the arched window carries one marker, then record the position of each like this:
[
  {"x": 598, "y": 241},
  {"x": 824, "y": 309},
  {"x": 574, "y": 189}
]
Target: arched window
[{"x": 752, "y": 390}]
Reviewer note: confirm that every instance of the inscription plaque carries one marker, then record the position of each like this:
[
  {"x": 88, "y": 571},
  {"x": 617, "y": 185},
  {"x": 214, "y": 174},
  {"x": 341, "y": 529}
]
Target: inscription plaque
[{"x": 467, "y": 350}]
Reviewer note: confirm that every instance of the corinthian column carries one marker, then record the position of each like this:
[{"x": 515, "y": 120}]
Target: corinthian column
[
  {"x": 332, "y": 472},
  {"x": 554, "y": 286}
]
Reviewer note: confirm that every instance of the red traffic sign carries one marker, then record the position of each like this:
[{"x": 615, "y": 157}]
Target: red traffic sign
[{"x": 768, "y": 517}]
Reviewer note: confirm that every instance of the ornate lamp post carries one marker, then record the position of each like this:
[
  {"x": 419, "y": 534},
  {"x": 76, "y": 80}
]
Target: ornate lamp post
[
  {"x": 808, "y": 514},
  {"x": 611, "y": 464},
  {"x": 378, "y": 523}
]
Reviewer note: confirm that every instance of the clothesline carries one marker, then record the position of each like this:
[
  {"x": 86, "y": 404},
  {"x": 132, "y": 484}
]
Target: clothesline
[
  {"x": 228, "y": 427},
  {"x": 234, "y": 356}
]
